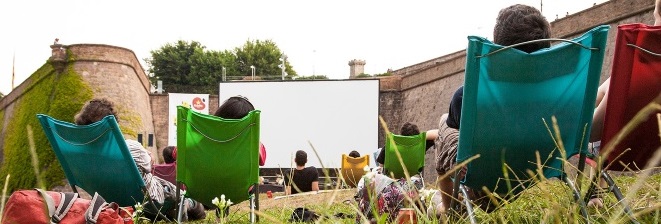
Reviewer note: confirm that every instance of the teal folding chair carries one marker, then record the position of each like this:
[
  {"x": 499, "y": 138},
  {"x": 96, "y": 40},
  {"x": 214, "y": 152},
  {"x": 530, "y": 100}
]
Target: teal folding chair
[
  {"x": 412, "y": 152},
  {"x": 95, "y": 157},
  {"x": 217, "y": 156},
  {"x": 509, "y": 100}
]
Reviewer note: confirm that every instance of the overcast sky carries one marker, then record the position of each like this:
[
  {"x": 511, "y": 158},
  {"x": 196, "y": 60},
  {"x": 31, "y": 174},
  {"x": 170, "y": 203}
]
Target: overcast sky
[{"x": 320, "y": 37}]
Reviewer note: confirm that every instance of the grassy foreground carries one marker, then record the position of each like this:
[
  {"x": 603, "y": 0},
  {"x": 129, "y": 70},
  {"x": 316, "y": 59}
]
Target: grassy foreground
[{"x": 547, "y": 202}]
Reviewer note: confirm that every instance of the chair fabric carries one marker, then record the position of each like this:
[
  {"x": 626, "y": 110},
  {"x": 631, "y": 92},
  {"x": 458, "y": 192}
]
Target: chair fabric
[
  {"x": 635, "y": 82},
  {"x": 166, "y": 171},
  {"x": 217, "y": 156},
  {"x": 412, "y": 150},
  {"x": 508, "y": 98},
  {"x": 353, "y": 168},
  {"x": 95, "y": 157}
]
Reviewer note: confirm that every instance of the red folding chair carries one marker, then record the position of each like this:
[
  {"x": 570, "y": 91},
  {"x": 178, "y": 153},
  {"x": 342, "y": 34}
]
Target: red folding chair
[{"x": 635, "y": 82}]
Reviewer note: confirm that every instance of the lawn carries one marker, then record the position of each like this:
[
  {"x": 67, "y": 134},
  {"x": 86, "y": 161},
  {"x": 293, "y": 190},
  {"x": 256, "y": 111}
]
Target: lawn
[{"x": 547, "y": 202}]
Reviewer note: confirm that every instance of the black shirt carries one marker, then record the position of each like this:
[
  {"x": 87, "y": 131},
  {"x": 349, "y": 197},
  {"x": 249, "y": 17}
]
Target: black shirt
[{"x": 301, "y": 179}]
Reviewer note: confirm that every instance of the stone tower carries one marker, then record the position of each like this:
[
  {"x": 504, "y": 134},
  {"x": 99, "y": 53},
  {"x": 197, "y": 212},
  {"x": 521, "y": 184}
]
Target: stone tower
[{"x": 356, "y": 67}]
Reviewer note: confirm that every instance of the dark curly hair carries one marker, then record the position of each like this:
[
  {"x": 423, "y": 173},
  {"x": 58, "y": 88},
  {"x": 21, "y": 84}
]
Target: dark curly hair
[
  {"x": 95, "y": 110},
  {"x": 520, "y": 23},
  {"x": 409, "y": 129}
]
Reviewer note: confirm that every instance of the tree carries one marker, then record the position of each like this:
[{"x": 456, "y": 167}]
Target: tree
[
  {"x": 265, "y": 56},
  {"x": 2, "y": 95},
  {"x": 312, "y": 77},
  {"x": 172, "y": 63},
  {"x": 188, "y": 67}
]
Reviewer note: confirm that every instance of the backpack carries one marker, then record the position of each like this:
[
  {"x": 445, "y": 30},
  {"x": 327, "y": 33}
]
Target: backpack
[
  {"x": 39, "y": 206},
  {"x": 303, "y": 215}
]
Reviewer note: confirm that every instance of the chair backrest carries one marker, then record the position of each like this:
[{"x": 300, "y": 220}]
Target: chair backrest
[
  {"x": 166, "y": 171},
  {"x": 95, "y": 157},
  {"x": 412, "y": 150},
  {"x": 353, "y": 168},
  {"x": 508, "y": 93},
  {"x": 217, "y": 156},
  {"x": 635, "y": 82}
]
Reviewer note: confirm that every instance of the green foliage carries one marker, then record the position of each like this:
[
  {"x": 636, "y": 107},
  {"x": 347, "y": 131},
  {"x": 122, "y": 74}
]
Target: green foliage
[
  {"x": 363, "y": 75},
  {"x": 2, "y": 95},
  {"x": 58, "y": 95},
  {"x": 265, "y": 56},
  {"x": 313, "y": 77},
  {"x": 190, "y": 67}
]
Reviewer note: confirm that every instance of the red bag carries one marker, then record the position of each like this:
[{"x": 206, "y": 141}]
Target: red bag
[{"x": 38, "y": 206}]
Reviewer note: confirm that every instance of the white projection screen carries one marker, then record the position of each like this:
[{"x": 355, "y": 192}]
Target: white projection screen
[{"x": 334, "y": 116}]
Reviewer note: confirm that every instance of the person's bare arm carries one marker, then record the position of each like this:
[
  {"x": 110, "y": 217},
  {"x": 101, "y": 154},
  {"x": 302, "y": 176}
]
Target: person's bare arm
[
  {"x": 315, "y": 185},
  {"x": 598, "y": 120},
  {"x": 432, "y": 134},
  {"x": 657, "y": 13}
]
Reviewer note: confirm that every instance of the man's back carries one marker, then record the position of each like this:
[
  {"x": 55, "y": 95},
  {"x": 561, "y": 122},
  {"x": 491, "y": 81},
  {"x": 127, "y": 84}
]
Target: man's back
[{"x": 301, "y": 180}]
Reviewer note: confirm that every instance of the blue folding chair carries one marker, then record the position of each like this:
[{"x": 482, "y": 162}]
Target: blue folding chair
[
  {"x": 95, "y": 157},
  {"x": 509, "y": 100}
]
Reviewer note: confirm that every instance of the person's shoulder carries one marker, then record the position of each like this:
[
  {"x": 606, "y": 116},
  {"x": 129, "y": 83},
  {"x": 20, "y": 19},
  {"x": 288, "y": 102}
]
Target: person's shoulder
[{"x": 133, "y": 143}]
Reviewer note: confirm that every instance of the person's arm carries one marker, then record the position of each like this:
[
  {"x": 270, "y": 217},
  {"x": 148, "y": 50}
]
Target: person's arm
[
  {"x": 432, "y": 134},
  {"x": 315, "y": 180},
  {"x": 598, "y": 120},
  {"x": 657, "y": 13},
  {"x": 315, "y": 185}
]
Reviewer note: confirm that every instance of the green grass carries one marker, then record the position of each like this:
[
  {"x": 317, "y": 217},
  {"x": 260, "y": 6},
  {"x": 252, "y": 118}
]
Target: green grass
[{"x": 547, "y": 202}]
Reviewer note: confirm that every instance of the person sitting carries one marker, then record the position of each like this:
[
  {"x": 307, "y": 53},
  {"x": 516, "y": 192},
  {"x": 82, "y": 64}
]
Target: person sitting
[
  {"x": 237, "y": 107},
  {"x": 167, "y": 171},
  {"x": 170, "y": 154},
  {"x": 408, "y": 129},
  {"x": 599, "y": 115},
  {"x": 160, "y": 191},
  {"x": 354, "y": 154},
  {"x": 514, "y": 24},
  {"x": 301, "y": 179}
]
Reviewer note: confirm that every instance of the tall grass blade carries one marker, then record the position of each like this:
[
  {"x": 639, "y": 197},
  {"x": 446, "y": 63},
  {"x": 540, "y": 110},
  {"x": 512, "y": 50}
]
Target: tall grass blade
[{"x": 4, "y": 197}]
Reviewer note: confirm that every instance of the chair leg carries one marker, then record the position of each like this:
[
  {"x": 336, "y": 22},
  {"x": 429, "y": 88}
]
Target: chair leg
[
  {"x": 181, "y": 202},
  {"x": 618, "y": 194},
  {"x": 577, "y": 198},
  {"x": 469, "y": 206},
  {"x": 252, "y": 208},
  {"x": 256, "y": 202},
  {"x": 455, "y": 193}
]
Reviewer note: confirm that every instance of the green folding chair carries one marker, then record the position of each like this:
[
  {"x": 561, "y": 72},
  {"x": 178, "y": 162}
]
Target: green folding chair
[
  {"x": 217, "y": 156},
  {"x": 95, "y": 157},
  {"x": 412, "y": 152},
  {"x": 508, "y": 103}
]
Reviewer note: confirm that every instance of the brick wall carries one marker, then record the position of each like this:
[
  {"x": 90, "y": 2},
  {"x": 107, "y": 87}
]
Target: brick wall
[{"x": 115, "y": 73}]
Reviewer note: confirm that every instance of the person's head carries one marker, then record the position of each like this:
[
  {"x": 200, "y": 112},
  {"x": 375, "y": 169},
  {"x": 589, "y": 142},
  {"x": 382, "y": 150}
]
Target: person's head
[
  {"x": 520, "y": 23},
  {"x": 409, "y": 129},
  {"x": 170, "y": 154},
  {"x": 235, "y": 107},
  {"x": 354, "y": 154},
  {"x": 95, "y": 110},
  {"x": 301, "y": 158},
  {"x": 454, "y": 114}
]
